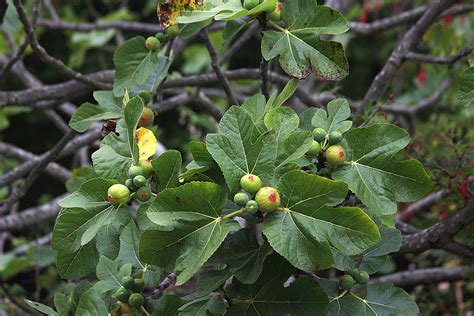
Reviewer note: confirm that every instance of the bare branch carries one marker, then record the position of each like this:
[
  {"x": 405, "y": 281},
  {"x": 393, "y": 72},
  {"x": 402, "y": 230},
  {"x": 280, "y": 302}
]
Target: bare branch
[
  {"x": 217, "y": 69},
  {"x": 239, "y": 42},
  {"x": 166, "y": 283},
  {"x": 53, "y": 62},
  {"x": 439, "y": 60},
  {"x": 206, "y": 104},
  {"x": 426, "y": 276},
  {"x": 409, "y": 40}
]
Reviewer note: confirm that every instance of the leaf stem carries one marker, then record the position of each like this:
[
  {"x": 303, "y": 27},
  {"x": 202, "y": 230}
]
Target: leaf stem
[
  {"x": 235, "y": 213},
  {"x": 144, "y": 310},
  {"x": 277, "y": 27}
]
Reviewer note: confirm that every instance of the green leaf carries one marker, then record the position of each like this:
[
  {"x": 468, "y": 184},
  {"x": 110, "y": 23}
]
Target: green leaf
[
  {"x": 243, "y": 255},
  {"x": 132, "y": 112},
  {"x": 113, "y": 158},
  {"x": 91, "y": 304},
  {"x": 42, "y": 308},
  {"x": 240, "y": 148},
  {"x": 373, "y": 174},
  {"x": 107, "y": 108},
  {"x": 269, "y": 296},
  {"x": 286, "y": 93},
  {"x": 192, "y": 211},
  {"x": 137, "y": 68},
  {"x": 167, "y": 168},
  {"x": 299, "y": 45},
  {"x": 306, "y": 118},
  {"x": 167, "y": 305},
  {"x": 466, "y": 87},
  {"x": 110, "y": 275},
  {"x": 211, "y": 305},
  {"x": 10, "y": 265},
  {"x": 107, "y": 241},
  {"x": 129, "y": 242},
  {"x": 304, "y": 231},
  {"x": 84, "y": 213},
  {"x": 210, "y": 280},
  {"x": 336, "y": 117}
]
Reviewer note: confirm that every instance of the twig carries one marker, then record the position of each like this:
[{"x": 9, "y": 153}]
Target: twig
[
  {"x": 425, "y": 276},
  {"x": 217, "y": 69},
  {"x": 166, "y": 283},
  {"x": 53, "y": 62},
  {"x": 23, "y": 249},
  {"x": 439, "y": 60},
  {"x": 244, "y": 38},
  {"x": 409, "y": 40},
  {"x": 207, "y": 105},
  {"x": 263, "y": 63},
  {"x": 36, "y": 172}
]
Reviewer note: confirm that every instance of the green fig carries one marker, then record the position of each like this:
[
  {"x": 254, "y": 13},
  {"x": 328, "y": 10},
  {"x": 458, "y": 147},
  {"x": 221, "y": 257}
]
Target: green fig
[
  {"x": 335, "y": 137},
  {"x": 241, "y": 198},
  {"x": 335, "y": 155},
  {"x": 314, "y": 150},
  {"x": 118, "y": 194},
  {"x": 268, "y": 199},
  {"x": 319, "y": 134},
  {"x": 146, "y": 118},
  {"x": 136, "y": 300},
  {"x": 346, "y": 282},
  {"x": 152, "y": 43},
  {"x": 250, "y": 183}
]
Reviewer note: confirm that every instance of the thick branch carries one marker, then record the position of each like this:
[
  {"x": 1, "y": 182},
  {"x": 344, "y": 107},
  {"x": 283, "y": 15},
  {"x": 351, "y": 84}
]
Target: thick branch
[
  {"x": 408, "y": 42},
  {"x": 438, "y": 235},
  {"x": 166, "y": 283},
  {"x": 426, "y": 276}
]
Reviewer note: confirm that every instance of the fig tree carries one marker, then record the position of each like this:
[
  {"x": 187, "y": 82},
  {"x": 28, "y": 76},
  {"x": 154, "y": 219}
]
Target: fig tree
[
  {"x": 362, "y": 277},
  {"x": 134, "y": 171},
  {"x": 251, "y": 206},
  {"x": 335, "y": 137},
  {"x": 241, "y": 198},
  {"x": 138, "y": 285},
  {"x": 250, "y": 4},
  {"x": 146, "y": 96},
  {"x": 122, "y": 294},
  {"x": 335, "y": 155},
  {"x": 346, "y": 282},
  {"x": 147, "y": 169},
  {"x": 268, "y": 199},
  {"x": 136, "y": 300},
  {"x": 143, "y": 194},
  {"x": 146, "y": 118},
  {"x": 152, "y": 43},
  {"x": 118, "y": 194},
  {"x": 127, "y": 282},
  {"x": 139, "y": 181},
  {"x": 319, "y": 134},
  {"x": 250, "y": 183},
  {"x": 314, "y": 150}
]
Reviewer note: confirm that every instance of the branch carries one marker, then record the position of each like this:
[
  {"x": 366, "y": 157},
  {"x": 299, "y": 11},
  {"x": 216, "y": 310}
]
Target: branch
[
  {"x": 166, "y": 283},
  {"x": 51, "y": 61},
  {"x": 32, "y": 216},
  {"x": 239, "y": 42},
  {"x": 206, "y": 104},
  {"x": 263, "y": 63},
  {"x": 439, "y": 60},
  {"x": 50, "y": 156},
  {"x": 409, "y": 40},
  {"x": 426, "y": 276},
  {"x": 217, "y": 69},
  {"x": 438, "y": 235},
  {"x": 147, "y": 28},
  {"x": 53, "y": 169},
  {"x": 23, "y": 249}
]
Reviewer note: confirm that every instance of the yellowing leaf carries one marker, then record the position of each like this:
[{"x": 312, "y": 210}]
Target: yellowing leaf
[{"x": 146, "y": 142}]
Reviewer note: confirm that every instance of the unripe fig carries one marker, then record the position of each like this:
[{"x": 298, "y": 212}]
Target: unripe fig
[
  {"x": 118, "y": 194},
  {"x": 241, "y": 198},
  {"x": 147, "y": 169},
  {"x": 362, "y": 277},
  {"x": 346, "y": 282},
  {"x": 250, "y": 183},
  {"x": 138, "y": 285},
  {"x": 152, "y": 43},
  {"x": 136, "y": 300},
  {"x": 335, "y": 155},
  {"x": 250, "y": 4},
  {"x": 335, "y": 137},
  {"x": 268, "y": 199},
  {"x": 251, "y": 206},
  {"x": 122, "y": 294},
  {"x": 319, "y": 134},
  {"x": 146, "y": 96},
  {"x": 129, "y": 184},
  {"x": 314, "y": 150},
  {"x": 139, "y": 181},
  {"x": 143, "y": 194},
  {"x": 125, "y": 308},
  {"x": 127, "y": 282},
  {"x": 161, "y": 37},
  {"x": 146, "y": 118},
  {"x": 352, "y": 272},
  {"x": 134, "y": 171},
  {"x": 172, "y": 31},
  {"x": 275, "y": 15}
]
